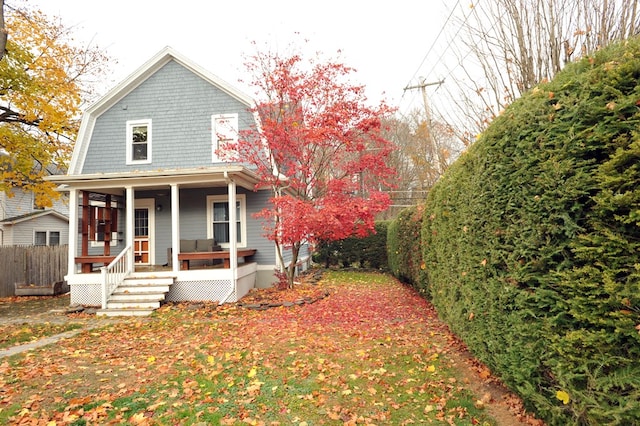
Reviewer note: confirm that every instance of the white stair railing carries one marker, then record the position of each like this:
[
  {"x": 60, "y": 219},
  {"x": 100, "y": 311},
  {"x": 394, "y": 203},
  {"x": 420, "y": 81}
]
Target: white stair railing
[{"x": 114, "y": 273}]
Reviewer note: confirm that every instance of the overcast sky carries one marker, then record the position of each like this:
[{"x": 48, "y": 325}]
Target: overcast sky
[{"x": 386, "y": 42}]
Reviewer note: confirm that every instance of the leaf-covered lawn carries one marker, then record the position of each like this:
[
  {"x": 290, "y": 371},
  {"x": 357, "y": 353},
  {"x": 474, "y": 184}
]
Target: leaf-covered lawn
[
  {"x": 371, "y": 352},
  {"x": 17, "y": 334}
]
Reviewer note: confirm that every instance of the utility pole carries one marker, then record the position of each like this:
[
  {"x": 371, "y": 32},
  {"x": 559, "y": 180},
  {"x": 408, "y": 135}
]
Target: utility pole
[
  {"x": 423, "y": 86},
  {"x": 436, "y": 168}
]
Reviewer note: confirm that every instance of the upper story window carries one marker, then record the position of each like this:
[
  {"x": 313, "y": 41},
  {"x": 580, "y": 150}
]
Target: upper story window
[
  {"x": 139, "y": 141},
  {"x": 224, "y": 129}
]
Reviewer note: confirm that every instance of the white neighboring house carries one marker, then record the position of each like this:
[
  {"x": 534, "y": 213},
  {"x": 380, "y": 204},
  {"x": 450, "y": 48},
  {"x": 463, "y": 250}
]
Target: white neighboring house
[{"x": 24, "y": 223}]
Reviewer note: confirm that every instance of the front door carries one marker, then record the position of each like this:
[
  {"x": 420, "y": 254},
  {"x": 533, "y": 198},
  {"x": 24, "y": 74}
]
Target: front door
[{"x": 143, "y": 241}]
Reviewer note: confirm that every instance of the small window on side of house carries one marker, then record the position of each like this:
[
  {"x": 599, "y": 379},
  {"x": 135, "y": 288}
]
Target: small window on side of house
[
  {"x": 224, "y": 130},
  {"x": 54, "y": 238},
  {"x": 46, "y": 238},
  {"x": 40, "y": 238},
  {"x": 139, "y": 141}
]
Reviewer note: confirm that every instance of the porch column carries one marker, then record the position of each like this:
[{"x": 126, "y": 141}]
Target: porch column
[
  {"x": 73, "y": 231},
  {"x": 233, "y": 234},
  {"x": 130, "y": 224},
  {"x": 175, "y": 227}
]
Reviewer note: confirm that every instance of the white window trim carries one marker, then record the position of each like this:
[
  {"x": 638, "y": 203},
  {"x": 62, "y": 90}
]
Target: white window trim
[
  {"x": 48, "y": 236},
  {"x": 216, "y": 131},
  {"x": 130, "y": 125},
  {"x": 240, "y": 198}
]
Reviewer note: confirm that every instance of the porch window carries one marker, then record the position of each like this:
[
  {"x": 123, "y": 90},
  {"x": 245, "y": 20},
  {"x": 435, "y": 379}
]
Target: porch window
[
  {"x": 224, "y": 129},
  {"x": 218, "y": 217},
  {"x": 46, "y": 238},
  {"x": 139, "y": 141},
  {"x": 100, "y": 220}
]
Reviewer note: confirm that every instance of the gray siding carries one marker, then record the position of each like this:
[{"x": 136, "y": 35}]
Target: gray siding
[
  {"x": 193, "y": 221},
  {"x": 23, "y": 232},
  {"x": 180, "y": 105},
  {"x": 266, "y": 254},
  {"x": 21, "y": 203}
]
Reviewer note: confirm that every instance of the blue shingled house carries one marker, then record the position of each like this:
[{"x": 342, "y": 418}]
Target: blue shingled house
[{"x": 154, "y": 214}]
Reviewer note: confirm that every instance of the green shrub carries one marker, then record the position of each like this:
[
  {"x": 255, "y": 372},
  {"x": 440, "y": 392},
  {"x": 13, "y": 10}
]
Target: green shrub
[
  {"x": 531, "y": 243},
  {"x": 366, "y": 252},
  {"x": 404, "y": 248}
]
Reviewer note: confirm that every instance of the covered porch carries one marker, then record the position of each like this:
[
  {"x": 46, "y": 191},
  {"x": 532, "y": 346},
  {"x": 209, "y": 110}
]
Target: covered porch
[{"x": 115, "y": 234}]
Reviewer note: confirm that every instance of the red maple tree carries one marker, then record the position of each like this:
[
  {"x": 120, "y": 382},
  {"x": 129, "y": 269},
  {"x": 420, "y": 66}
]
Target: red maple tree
[{"x": 319, "y": 148}]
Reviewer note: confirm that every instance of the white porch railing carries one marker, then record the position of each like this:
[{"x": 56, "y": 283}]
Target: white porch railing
[{"x": 114, "y": 273}]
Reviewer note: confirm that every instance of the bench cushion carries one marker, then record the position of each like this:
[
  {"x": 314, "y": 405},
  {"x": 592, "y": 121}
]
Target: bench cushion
[
  {"x": 187, "y": 246},
  {"x": 205, "y": 245}
]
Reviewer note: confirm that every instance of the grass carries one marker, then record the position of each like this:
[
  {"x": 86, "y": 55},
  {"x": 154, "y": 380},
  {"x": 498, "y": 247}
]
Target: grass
[
  {"x": 372, "y": 352},
  {"x": 17, "y": 334}
]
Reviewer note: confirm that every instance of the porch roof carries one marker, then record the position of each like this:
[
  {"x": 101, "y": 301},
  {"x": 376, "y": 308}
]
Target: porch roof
[{"x": 186, "y": 178}]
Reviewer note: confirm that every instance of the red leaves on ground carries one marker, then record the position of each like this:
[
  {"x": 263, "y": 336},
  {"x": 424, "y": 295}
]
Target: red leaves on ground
[{"x": 371, "y": 352}]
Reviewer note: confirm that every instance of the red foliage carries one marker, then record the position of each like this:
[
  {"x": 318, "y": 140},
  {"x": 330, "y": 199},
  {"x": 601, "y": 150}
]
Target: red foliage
[{"x": 319, "y": 148}]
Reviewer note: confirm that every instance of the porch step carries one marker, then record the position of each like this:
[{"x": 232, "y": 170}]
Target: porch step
[{"x": 137, "y": 296}]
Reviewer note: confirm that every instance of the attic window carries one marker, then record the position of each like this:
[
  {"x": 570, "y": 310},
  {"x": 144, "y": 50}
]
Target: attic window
[
  {"x": 224, "y": 129},
  {"x": 139, "y": 141}
]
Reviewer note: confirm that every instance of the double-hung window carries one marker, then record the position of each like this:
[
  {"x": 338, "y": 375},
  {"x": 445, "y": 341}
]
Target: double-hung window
[
  {"x": 46, "y": 238},
  {"x": 224, "y": 130},
  {"x": 139, "y": 141},
  {"x": 219, "y": 219}
]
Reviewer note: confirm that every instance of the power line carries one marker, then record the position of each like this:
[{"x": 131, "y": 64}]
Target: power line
[{"x": 433, "y": 44}]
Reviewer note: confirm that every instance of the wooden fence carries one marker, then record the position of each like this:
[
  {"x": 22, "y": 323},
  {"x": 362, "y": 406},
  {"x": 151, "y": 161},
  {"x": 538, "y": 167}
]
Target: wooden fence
[{"x": 37, "y": 265}]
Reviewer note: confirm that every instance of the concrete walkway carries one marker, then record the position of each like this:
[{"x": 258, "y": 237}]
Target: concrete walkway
[
  {"x": 53, "y": 310},
  {"x": 97, "y": 323},
  {"x": 42, "y": 342}
]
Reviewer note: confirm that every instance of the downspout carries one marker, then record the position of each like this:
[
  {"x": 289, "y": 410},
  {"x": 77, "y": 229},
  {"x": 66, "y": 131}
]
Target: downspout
[{"x": 233, "y": 236}]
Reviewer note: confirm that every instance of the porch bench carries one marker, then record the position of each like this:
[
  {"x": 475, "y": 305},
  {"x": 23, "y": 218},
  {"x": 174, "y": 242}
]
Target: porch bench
[
  {"x": 225, "y": 255},
  {"x": 87, "y": 262},
  {"x": 207, "y": 245}
]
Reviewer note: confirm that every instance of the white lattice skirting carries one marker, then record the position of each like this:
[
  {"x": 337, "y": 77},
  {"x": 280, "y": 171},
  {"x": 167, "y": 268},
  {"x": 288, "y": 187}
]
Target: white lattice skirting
[
  {"x": 199, "y": 285},
  {"x": 86, "y": 294},
  {"x": 209, "y": 290}
]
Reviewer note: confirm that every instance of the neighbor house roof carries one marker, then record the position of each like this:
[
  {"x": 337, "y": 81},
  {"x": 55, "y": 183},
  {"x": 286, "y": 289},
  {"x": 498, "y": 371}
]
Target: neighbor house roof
[{"x": 30, "y": 216}]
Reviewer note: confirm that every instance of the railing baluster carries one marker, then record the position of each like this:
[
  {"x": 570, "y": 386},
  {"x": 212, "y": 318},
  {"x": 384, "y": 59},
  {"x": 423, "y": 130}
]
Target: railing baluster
[{"x": 114, "y": 273}]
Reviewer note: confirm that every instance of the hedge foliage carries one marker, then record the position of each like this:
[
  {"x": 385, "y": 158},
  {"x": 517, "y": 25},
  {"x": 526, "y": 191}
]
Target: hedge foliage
[
  {"x": 531, "y": 242},
  {"x": 366, "y": 252},
  {"x": 404, "y": 247}
]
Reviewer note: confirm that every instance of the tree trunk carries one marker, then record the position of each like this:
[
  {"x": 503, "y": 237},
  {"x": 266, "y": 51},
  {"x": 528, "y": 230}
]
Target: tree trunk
[
  {"x": 291, "y": 270},
  {"x": 3, "y": 32}
]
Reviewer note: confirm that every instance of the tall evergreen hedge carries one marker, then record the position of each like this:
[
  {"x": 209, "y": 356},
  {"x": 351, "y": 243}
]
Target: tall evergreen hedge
[
  {"x": 404, "y": 247},
  {"x": 531, "y": 242},
  {"x": 364, "y": 252}
]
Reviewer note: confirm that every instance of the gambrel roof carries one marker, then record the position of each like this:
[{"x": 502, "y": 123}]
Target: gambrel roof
[{"x": 132, "y": 82}]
